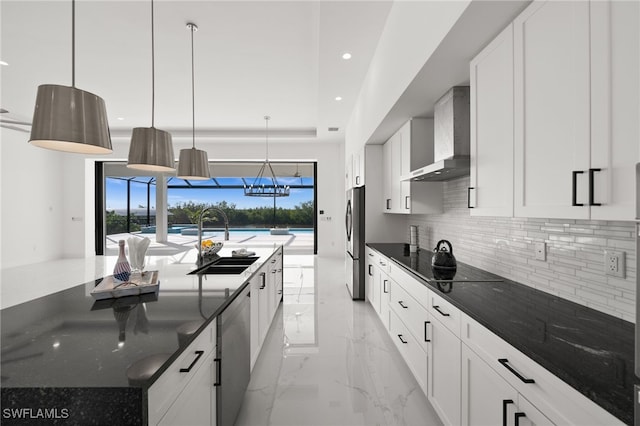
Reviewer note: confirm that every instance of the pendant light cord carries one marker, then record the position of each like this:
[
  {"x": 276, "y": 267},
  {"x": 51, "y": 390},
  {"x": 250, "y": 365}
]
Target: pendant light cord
[
  {"x": 73, "y": 43},
  {"x": 266, "y": 119},
  {"x": 193, "y": 91},
  {"x": 153, "y": 71}
]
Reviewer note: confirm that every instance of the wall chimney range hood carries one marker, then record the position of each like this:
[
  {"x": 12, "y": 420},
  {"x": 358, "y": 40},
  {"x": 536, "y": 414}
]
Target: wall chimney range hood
[{"x": 451, "y": 149}]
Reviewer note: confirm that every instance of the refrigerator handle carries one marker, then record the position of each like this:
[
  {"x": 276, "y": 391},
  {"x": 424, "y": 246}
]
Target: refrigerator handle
[{"x": 349, "y": 220}]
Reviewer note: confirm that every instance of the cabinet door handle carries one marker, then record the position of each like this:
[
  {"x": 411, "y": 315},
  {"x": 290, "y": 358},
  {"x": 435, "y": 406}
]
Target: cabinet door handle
[
  {"x": 516, "y": 418},
  {"x": 370, "y": 273},
  {"x": 402, "y": 304},
  {"x": 371, "y": 254},
  {"x": 384, "y": 286},
  {"x": 469, "y": 206},
  {"x": 263, "y": 277},
  {"x": 198, "y": 355},
  {"x": 505, "y": 363},
  {"x": 406, "y": 202},
  {"x": 425, "y": 331},
  {"x": 401, "y": 339},
  {"x": 505, "y": 402},
  {"x": 218, "y": 362},
  {"x": 437, "y": 308},
  {"x": 591, "y": 187},
  {"x": 574, "y": 185},
  {"x": 357, "y": 180},
  {"x": 388, "y": 203}
]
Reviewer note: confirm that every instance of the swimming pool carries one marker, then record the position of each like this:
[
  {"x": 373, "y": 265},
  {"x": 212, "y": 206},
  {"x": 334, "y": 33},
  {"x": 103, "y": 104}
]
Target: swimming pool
[{"x": 193, "y": 230}]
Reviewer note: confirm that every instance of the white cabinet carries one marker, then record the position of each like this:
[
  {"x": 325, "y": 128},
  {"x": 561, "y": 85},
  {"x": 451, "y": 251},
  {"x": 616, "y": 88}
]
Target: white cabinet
[
  {"x": 409, "y": 148},
  {"x": 196, "y": 404},
  {"x": 187, "y": 385},
  {"x": 487, "y": 399},
  {"x": 358, "y": 167},
  {"x": 409, "y": 348},
  {"x": 575, "y": 89},
  {"x": 491, "y": 174},
  {"x": 266, "y": 294}
]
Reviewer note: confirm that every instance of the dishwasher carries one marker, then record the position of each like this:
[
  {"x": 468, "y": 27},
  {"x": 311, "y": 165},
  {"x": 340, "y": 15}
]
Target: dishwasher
[{"x": 234, "y": 352}]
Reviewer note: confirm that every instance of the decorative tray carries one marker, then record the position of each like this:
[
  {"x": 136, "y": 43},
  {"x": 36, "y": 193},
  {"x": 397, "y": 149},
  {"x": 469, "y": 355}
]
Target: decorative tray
[{"x": 110, "y": 288}]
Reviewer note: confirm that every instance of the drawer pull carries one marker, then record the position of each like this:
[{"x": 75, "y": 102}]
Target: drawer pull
[
  {"x": 425, "y": 331},
  {"x": 517, "y": 417},
  {"x": 401, "y": 339},
  {"x": 371, "y": 254},
  {"x": 505, "y": 402},
  {"x": 437, "y": 308},
  {"x": 218, "y": 381},
  {"x": 505, "y": 362},
  {"x": 402, "y": 304},
  {"x": 384, "y": 286},
  {"x": 198, "y": 355}
]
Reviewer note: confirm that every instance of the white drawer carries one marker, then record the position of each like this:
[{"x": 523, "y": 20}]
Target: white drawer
[
  {"x": 412, "y": 314},
  {"x": 166, "y": 389},
  {"x": 444, "y": 312},
  {"x": 410, "y": 350},
  {"x": 412, "y": 284},
  {"x": 561, "y": 403}
]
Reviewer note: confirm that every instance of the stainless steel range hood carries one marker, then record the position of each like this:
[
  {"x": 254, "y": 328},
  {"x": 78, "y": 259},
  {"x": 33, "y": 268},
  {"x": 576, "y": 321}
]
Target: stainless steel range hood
[{"x": 451, "y": 139}]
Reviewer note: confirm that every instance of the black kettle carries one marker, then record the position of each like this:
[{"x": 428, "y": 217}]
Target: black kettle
[{"x": 443, "y": 262}]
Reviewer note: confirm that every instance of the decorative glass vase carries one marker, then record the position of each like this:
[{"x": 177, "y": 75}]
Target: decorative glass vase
[{"x": 122, "y": 270}]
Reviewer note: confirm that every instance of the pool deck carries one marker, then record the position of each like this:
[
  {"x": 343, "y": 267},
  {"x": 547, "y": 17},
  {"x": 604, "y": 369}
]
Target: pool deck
[{"x": 301, "y": 243}]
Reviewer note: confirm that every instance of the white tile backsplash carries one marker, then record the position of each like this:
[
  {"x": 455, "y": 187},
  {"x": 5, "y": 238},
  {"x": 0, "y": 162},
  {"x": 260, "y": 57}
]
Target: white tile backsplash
[{"x": 574, "y": 268}]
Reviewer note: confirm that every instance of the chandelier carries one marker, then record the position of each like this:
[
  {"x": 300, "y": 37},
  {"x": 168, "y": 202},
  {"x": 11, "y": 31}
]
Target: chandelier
[{"x": 258, "y": 188}]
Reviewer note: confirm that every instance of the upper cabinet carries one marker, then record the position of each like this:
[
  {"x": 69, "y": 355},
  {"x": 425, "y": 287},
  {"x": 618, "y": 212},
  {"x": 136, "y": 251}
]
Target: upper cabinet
[
  {"x": 491, "y": 139},
  {"x": 410, "y": 147},
  {"x": 575, "y": 95}
]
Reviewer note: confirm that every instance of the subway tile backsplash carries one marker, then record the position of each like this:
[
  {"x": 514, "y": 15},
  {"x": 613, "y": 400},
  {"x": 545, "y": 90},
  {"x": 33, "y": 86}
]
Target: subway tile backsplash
[{"x": 574, "y": 268}]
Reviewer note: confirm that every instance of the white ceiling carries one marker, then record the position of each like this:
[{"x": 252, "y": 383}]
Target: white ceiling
[{"x": 252, "y": 58}]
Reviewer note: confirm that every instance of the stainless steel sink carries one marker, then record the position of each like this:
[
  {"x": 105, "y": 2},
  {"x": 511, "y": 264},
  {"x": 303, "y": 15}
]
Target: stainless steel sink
[{"x": 225, "y": 265}]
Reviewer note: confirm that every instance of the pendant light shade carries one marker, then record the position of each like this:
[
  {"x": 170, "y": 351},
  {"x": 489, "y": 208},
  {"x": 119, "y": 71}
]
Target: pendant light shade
[
  {"x": 193, "y": 163},
  {"x": 151, "y": 149},
  {"x": 69, "y": 119}
]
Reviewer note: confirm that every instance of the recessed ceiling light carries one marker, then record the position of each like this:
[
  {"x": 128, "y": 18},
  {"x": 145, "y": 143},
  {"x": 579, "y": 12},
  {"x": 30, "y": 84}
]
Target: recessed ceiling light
[
  {"x": 4, "y": 63},
  {"x": 346, "y": 55},
  {"x": 338, "y": 98},
  {"x": 120, "y": 118}
]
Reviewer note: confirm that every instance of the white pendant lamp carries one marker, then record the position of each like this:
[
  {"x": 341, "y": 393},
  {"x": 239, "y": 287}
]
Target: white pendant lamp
[
  {"x": 193, "y": 163},
  {"x": 151, "y": 149},
  {"x": 69, "y": 119}
]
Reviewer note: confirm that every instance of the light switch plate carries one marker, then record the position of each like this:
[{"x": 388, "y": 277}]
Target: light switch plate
[{"x": 541, "y": 251}]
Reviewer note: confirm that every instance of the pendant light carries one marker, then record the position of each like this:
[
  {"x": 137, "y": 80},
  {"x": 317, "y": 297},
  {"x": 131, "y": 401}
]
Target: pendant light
[
  {"x": 151, "y": 149},
  {"x": 193, "y": 163},
  {"x": 257, "y": 188},
  {"x": 67, "y": 118}
]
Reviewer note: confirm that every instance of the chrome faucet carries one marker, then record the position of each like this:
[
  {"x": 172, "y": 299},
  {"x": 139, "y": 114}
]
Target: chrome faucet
[{"x": 200, "y": 220}]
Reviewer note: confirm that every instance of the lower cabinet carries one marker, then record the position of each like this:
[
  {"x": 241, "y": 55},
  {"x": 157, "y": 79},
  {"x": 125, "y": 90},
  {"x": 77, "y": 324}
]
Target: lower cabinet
[
  {"x": 185, "y": 393},
  {"x": 444, "y": 372},
  {"x": 410, "y": 349},
  {"x": 196, "y": 404}
]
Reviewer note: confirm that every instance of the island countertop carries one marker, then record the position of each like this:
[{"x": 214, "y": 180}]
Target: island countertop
[{"x": 67, "y": 339}]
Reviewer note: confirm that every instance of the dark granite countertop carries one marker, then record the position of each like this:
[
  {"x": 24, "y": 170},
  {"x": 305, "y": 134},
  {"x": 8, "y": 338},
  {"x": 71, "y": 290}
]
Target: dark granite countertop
[{"x": 591, "y": 351}]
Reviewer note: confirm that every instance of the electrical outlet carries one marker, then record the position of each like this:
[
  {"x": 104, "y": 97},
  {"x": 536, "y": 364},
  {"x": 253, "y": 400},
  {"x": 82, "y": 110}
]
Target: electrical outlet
[
  {"x": 541, "y": 251},
  {"x": 614, "y": 263}
]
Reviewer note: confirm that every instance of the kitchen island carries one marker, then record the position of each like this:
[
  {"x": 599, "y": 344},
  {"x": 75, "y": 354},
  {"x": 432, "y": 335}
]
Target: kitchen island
[{"x": 69, "y": 357}]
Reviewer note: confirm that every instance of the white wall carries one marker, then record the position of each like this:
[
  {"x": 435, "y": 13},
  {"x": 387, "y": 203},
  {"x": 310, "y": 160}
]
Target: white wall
[
  {"x": 33, "y": 201},
  {"x": 412, "y": 33}
]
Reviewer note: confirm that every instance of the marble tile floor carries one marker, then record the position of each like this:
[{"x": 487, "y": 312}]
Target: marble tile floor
[{"x": 327, "y": 359}]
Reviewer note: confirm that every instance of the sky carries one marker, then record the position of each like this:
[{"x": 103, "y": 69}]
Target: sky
[{"x": 116, "y": 196}]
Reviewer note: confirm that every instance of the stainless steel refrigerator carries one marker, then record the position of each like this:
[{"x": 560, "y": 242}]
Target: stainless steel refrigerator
[{"x": 354, "y": 225}]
